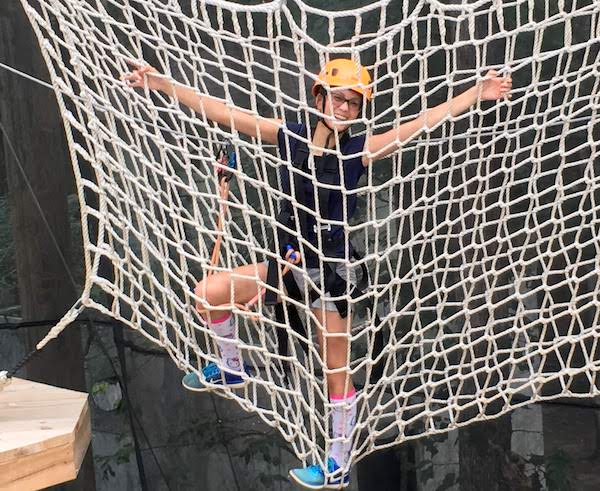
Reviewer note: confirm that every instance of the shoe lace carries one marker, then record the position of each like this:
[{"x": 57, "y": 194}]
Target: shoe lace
[
  {"x": 316, "y": 469},
  {"x": 211, "y": 370},
  {"x": 332, "y": 465}
]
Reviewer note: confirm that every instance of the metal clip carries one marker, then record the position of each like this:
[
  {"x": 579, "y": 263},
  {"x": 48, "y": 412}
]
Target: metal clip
[
  {"x": 326, "y": 227},
  {"x": 226, "y": 158}
]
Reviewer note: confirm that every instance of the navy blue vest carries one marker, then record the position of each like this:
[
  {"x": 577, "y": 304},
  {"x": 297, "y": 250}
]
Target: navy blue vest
[{"x": 353, "y": 170}]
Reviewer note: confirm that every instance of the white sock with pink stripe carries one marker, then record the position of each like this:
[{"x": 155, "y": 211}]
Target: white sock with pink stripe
[
  {"x": 224, "y": 327},
  {"x": 343, "y": 420}
]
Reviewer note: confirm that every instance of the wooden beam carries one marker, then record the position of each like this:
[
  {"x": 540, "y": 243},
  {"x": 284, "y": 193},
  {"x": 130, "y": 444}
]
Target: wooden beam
[{"x": 44, "y": 435}]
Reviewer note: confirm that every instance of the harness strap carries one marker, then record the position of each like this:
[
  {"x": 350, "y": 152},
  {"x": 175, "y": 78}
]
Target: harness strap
[
  {"x": 336, "y": 285},
  {"x": 327, "y": 172},
  {"x": 293, "y": 317},
  {"x": 379, "y": 342},
  {"x": 300, "y": 161},
  {"x": 286, "y": 217}
]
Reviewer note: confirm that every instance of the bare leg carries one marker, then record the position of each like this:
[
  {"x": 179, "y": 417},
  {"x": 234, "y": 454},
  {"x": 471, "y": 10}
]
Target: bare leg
[
  {"x": 223, "y": 290},
  {"x": 334, "y": 342},
  {"x": 229, "y": 287},
  {"x": 335, "y": 349}
]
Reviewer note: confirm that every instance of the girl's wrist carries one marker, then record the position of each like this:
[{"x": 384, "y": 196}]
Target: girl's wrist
[
  {"x": 164, "y": 85},
  {"x": 474, "y": 93}
]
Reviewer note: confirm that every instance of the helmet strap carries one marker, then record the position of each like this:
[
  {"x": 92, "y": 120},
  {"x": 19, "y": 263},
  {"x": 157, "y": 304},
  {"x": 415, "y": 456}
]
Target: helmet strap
[{"x": 323, "y": 92}]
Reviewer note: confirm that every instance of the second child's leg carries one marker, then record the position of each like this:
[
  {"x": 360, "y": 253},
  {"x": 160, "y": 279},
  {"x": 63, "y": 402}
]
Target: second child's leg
[
  {"x": 225, "y": 288},
  {"x": 222, "y": 290}
]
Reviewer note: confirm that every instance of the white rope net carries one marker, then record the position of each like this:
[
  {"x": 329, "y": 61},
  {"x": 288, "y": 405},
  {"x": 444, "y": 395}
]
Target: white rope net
[{"x": 480, "y": 237}]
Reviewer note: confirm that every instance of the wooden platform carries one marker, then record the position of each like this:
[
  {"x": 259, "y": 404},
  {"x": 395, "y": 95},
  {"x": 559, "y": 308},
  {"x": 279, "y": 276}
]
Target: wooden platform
[{"x": 44, "y": 435}]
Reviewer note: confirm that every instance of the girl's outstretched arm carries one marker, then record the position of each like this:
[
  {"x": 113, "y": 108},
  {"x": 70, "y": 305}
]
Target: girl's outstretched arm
[
  {"x": 213, "y": 109},
  {"x": 491, "y": 88}
]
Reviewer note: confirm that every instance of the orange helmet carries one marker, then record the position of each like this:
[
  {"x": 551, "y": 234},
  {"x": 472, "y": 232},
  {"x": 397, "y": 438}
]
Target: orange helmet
[{"x": 343, "y": 72}]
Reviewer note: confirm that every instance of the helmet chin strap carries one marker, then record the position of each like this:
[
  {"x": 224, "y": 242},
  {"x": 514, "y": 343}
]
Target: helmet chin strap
[{"x": 330, "y": 134}]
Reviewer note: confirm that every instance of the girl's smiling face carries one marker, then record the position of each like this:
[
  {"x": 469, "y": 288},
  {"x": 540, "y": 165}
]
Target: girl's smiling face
[{"x": 342, "y": 105}]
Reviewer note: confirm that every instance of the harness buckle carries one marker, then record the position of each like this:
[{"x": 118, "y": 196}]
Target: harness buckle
[
  {"x": 326, "y": 227},
  {"x": 227, "y": 160}
]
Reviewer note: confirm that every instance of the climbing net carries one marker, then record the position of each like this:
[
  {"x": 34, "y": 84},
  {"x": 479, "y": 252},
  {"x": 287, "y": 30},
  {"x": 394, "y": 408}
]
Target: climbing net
[{"x": 480, "y": 238}]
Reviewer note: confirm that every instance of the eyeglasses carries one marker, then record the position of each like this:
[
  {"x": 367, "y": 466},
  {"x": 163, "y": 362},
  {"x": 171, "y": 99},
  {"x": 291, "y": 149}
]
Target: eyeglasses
[{"x": 354, "y": 104}]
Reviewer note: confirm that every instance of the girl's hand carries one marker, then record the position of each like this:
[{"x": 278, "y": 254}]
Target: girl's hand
[
  {"x": 143, "y": 75},
  {"x": 494, "y": 87}
]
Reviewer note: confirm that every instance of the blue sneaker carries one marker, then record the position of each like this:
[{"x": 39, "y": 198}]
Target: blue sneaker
[
  {"x": 313, "y": 477},
  {"x": 211, "y": 377}
]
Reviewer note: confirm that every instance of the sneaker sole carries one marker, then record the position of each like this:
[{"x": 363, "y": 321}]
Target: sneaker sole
[
  {"x": 210, "y": 386},
  {"x": 303, "y": 484}
]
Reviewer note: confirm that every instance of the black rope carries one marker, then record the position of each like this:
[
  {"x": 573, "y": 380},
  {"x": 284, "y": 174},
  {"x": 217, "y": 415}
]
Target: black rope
[
  {"x": 13, "y": 326},
  {"x": 21, "y": 364},
  {"x": 51, "y": 322}
]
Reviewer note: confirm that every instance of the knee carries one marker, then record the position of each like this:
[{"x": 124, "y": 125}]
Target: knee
[{"x": 206, "y": 294}]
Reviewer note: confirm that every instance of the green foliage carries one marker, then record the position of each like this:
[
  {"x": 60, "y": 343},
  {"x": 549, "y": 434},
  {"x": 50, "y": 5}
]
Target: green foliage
[
  {"x": 99, "y": 388},
  {"x": 107, "y": 463},
  {"x": 256, "y": 452},
  {"x": 263, "y": 449}
]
